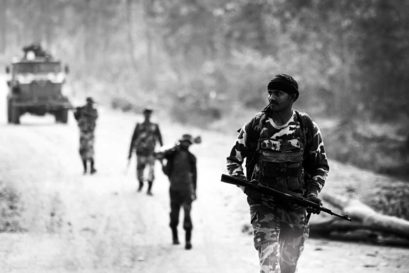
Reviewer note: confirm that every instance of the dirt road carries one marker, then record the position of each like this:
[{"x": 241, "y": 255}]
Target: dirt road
[{"x": 77, "y": 223}]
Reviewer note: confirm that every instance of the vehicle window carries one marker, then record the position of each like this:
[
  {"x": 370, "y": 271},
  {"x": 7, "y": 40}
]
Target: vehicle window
[{"x": 37, "y": 68}]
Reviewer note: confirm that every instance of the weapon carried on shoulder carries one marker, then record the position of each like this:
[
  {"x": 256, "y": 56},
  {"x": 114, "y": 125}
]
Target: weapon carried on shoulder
[
  {"x": 161, "y": 155},
  {"x": 281, "y": 195},
  {"x": 81, "y": 111}
]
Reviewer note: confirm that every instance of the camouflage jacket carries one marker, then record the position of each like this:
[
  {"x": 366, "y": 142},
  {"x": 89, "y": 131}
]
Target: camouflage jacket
[
  {"x": 144, "y": 138},
  {"x": 268, "y": 148},
  {"x": 86, "y": 118}
]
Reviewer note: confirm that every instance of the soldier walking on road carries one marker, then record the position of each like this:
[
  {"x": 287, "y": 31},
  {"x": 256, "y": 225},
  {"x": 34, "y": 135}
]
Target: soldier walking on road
[
  {"x": 283, "y": 150},
  {"x": 144, "y": 139},
  {"x": 86, "y": 117},
  {"x": 180, "y": 167}
]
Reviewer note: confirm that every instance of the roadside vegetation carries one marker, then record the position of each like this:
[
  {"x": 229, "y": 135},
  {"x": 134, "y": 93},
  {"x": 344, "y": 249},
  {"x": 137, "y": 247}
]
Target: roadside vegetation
[{"x": 10, "y": 209}]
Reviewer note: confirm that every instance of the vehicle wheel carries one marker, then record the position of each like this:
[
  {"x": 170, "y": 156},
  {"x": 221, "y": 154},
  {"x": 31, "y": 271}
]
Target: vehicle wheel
[
  {"x": 15, "y": 115},
  {"x": 63, "y": 116},
  {"x": 57, "y": 116}
]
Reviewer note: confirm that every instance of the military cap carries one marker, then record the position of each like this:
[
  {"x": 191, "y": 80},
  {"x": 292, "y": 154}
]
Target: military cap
[
  {"x": 186, "y": 137},
  {"x": 90, "y": 100}
]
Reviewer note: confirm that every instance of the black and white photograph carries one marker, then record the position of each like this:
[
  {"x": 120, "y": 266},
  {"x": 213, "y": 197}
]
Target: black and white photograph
[{"x": 204, "y": 136}]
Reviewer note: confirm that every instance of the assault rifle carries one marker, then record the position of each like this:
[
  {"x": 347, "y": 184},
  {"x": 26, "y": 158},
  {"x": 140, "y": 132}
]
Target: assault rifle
[{"x": 281, "y": 195}]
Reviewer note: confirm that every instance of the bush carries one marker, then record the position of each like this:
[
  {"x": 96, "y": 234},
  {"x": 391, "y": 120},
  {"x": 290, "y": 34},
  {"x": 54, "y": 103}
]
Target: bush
[
  {"x": 10, "y": 209},
  {"x": 373, "y": 146},
  {"x": 194, "y": 110},
  {"x": 119, "y": 103}
]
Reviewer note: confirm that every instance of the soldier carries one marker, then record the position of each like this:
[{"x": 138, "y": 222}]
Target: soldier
[
  {"x": 284, "y": 150},
  {"x": 144, "y": 139},
  {"x": 86, "y": 117},
  {"x": 181, "y": 170}
]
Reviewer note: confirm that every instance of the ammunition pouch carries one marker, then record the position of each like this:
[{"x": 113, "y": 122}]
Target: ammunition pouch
[
  {"x": 274, "y": 169},
  {"x": 287, "y": 176}
]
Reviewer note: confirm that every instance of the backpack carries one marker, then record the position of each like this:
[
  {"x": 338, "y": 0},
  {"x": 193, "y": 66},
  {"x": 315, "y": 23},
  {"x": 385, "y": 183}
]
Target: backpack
[{"x": 167, "y": 167}]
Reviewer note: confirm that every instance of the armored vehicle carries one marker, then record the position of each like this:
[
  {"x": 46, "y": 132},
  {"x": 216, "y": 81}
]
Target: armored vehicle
[{"x": 35, "y": 86}]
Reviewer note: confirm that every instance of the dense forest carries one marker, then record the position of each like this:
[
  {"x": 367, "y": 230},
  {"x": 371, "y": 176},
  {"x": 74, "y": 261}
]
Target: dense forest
[{"x": 215, "y": 58}]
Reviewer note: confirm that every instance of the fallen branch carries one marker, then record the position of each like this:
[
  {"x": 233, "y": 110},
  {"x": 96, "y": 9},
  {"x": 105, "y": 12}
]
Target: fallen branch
[{"x": 363, "y": 218}]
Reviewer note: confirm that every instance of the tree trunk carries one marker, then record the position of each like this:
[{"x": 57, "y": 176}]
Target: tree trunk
[
  {"x": 130, "y": 30},
  {"x": 3, "y": 26},
  {"x": 363, "y": 217}
]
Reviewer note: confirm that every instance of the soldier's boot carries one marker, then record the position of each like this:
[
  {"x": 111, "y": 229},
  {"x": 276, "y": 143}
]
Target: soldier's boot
[
  {"x": 149, "y": 192},
  {"x": 93, "y": 170},
  {"x": 84, "y": 164},
  {"x": 175, "y": 237},
  {"x": 140, "y": 185},
  {"x": 188, "y": 238}
]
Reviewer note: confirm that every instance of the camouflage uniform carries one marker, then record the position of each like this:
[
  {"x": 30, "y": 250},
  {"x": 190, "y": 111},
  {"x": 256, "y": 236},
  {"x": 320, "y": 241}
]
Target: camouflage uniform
[
  {"x": 289, "y": 158},
  {"x": 144, "y": 139},
  {"x": 86, "y": 117}
]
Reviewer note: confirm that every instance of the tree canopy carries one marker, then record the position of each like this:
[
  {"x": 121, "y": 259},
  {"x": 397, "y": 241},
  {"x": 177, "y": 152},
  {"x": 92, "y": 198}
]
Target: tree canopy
[{"x": 348, "y": 55}]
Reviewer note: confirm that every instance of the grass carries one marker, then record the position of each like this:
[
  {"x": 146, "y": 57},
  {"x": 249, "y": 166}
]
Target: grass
[{"x": 10, "y": 209}]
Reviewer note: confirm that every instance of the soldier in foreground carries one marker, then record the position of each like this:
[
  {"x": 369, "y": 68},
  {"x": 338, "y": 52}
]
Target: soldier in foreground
[
  {"x": 284, "y": 150},
  {"x": 144, "y": 139},
  {"x": 181, "y": 169},
  {"x": 86, "y": 117}
]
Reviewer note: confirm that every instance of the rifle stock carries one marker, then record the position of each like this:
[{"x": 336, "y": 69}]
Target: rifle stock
[{"x": 282, "y": 195}]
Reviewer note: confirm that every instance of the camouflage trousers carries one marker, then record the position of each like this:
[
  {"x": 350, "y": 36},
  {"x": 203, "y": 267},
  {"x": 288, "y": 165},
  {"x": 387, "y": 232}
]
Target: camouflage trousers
[
  {"x": 87, "y": 140},
  {"x": 279, "y": 245},
  {"x": 145, "y": 163}
]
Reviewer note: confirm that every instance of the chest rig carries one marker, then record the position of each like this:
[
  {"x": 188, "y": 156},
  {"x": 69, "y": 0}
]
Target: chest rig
[
  {"x": 145, "y": 143},
  {"x": 280, "y": 156}
]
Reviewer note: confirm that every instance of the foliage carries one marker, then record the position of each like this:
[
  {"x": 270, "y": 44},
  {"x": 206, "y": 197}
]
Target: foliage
[
  {"x": 10, "y": 209},
  {"x": 391, "y": 200},
  {"x": 330, "y": 46},
  {"x": 380, "y": 147},
  {"x": 200, "y": 60}
]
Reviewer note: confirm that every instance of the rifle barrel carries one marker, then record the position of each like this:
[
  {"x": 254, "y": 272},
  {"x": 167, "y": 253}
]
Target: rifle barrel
[{"x": 296, "y": 199}]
